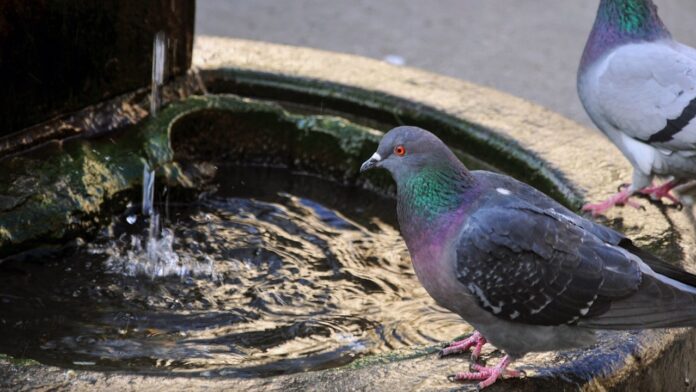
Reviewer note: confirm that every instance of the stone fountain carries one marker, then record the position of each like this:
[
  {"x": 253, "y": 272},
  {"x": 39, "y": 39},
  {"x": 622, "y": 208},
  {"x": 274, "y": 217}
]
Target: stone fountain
[{"x": 73, "y": 153}]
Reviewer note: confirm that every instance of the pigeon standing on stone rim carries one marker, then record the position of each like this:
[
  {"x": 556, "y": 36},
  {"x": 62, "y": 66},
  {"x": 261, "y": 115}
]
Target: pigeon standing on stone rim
[
  {"x": 526, "y": 272},
  {"x": 639, "y": 87}
]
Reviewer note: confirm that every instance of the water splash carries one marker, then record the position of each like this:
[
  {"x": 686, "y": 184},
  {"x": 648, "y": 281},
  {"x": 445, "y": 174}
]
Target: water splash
[
  {"x": 159, "y": 60},
  {"x": 152, "y": 252},
  {"x": 155, "y": 255}
]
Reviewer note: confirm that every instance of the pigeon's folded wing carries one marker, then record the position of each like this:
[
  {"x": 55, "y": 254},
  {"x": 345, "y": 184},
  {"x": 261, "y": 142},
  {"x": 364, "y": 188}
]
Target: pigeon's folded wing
[
  {"x": 529, "y": 265},
  {"x": 648, "y": 92}
]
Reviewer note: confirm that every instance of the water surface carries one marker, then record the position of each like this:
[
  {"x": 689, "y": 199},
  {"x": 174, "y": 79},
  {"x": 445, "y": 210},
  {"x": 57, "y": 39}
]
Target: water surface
[{"x": 280, "y": 273}]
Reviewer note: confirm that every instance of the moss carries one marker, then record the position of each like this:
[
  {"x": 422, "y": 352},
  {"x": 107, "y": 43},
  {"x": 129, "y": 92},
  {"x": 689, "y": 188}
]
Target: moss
[
  {"x": 350, "y": 136},
  {"x": 54, "y": 192},
  {"x": 393, "y": 356},
  {"x": 18, "y": 361}
]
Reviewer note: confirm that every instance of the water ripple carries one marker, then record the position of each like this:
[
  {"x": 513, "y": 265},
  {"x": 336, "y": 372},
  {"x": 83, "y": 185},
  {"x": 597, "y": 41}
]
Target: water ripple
[{"x": 299, "y": 276}]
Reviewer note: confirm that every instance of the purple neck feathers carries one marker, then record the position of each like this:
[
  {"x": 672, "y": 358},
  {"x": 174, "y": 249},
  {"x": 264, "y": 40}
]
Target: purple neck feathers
[
  {"x": 620, "y": 22},
  {"x": 433, "y": 204}
]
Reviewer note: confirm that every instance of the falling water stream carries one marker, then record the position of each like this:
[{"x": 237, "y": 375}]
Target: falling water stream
[
  {"x": 159, "y": 61},
  {"x": 151, "y": 253}
]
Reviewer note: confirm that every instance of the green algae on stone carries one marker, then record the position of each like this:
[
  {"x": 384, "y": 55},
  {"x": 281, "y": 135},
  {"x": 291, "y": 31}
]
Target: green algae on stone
[
  {"x": 18, "y": 361},
  {"x": 393, "y": 356},
  {"x": 56, "y": 191},
  {"x": 232, "y": 129}
]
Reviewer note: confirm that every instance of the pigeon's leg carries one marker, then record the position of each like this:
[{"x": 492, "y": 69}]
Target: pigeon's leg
[
  {"x": 663, "y": 191},
  {"x": 476, "y": 340},
  {"x": 619, "y": 199},
  {"x": 476, "y": 353},
  {"x": 488, "y": 375}
]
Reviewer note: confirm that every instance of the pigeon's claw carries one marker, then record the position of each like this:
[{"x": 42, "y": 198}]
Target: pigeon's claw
[
  {"x": 662, "y": 191},
  {"x": 488, "y": 375},
  {"x": 620, "y": 199},
  {"x": 476, "y": 340},
  {"x": 623, "y": 186}
]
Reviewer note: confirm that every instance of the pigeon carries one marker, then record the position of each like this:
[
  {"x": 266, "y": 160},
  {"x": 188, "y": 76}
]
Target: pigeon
[
  {"x": 638, "y": 86},
  {"x": 526, "y": 272}
]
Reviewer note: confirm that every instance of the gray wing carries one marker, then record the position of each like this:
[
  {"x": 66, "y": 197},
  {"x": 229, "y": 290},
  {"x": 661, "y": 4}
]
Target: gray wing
[
  {"x": 648, "y": 91},
  {"x": 528, "y": 194},
  {"x": 534, "y": 266}
]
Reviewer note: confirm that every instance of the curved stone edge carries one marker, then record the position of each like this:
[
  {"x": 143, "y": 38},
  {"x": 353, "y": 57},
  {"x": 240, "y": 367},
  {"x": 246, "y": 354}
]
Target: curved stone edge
[
  {"x": 535, "y": 128},
  {"x": 591, "y": 164}
]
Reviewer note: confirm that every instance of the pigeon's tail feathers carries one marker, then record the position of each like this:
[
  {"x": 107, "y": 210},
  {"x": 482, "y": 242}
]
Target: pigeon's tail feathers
[
  {"x": 660, "y": 266},
  {"x": 660, "y": 302}
]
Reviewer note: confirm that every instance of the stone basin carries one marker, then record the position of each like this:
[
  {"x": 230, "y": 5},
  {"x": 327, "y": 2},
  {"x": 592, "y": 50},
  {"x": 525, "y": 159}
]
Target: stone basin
[{"x": 328, "y": 109}]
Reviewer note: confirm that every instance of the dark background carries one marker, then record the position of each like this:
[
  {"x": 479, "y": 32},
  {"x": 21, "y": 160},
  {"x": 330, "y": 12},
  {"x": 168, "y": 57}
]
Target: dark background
[{"x": 58, "y": 56}]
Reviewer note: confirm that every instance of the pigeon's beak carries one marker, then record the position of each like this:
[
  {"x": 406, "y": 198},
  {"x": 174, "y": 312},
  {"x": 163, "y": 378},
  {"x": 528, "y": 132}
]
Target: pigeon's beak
[{"x": 371, "y": 163}]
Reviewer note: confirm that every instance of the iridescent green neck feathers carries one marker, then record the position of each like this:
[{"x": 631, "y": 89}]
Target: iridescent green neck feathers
[
  {"x": 432, "y": 192},
  {"x": 630, "y": 16}
]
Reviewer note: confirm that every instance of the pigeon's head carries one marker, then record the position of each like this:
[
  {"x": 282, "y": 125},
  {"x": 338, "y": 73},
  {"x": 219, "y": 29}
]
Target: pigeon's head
[{"x": 404, "y": 151}]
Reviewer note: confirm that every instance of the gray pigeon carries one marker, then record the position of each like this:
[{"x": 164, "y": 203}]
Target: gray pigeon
[
  {"x": 526, "y": 272},
  {"x": 639, "y": 87}
]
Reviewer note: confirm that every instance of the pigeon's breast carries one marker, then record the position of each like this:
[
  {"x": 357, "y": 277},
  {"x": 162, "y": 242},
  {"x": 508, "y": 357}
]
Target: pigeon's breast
[
  {"x": 588, "y": 91},
  {"x": 434, "y": 263}
]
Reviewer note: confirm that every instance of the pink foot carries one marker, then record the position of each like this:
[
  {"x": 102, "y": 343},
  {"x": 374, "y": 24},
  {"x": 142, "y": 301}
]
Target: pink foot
[
  {"x": 476, "y": 340},
  {"x": 488, "y": 375},
  {"x": 619, "y": 199},
  {"x": 662, "y": 191}
]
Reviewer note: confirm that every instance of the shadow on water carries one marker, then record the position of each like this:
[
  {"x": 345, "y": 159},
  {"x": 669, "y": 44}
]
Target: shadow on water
[{"x": 304, "y": 274}]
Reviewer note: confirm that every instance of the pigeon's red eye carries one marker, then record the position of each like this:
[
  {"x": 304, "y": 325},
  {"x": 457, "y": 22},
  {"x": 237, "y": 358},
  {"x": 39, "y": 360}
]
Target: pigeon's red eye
[{"x": 400, "y": 151}]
